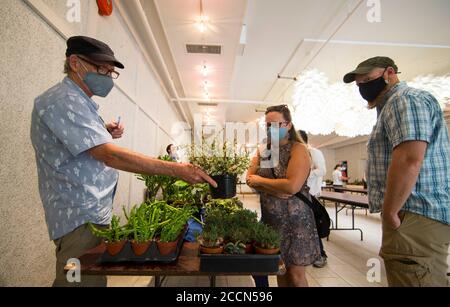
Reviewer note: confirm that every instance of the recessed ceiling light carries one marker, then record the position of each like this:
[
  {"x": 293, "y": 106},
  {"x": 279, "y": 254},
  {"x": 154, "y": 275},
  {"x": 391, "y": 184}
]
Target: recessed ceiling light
[
  {"x": 205, "y": 70},
  {"x": 201, "y": 26}
]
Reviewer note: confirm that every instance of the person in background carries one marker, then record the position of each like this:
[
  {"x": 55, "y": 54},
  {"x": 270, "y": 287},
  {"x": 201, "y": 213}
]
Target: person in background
[
  {"x": 172, "y": 152},
  {"x": 77, "y": 161},
  {"x": 338, "y": 178},
  {"x": 408, "y": 175},
  {"x": 318, "y": 171},
  {"x": 280, "y": 208}
]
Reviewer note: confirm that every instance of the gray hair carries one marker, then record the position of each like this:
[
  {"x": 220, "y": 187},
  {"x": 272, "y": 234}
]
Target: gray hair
[{"x": 67, "y": 68}]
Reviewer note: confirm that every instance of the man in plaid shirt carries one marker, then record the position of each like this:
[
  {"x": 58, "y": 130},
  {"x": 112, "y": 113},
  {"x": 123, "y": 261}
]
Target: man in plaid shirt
[{"x": 408, "y": 175}]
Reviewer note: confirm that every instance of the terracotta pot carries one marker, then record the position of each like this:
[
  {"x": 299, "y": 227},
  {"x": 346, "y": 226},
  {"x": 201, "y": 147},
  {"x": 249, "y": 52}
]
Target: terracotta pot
[
  {"x": 115, "y": 248},
  {"x": 140, "y": 248},
  {"x": 264, "y": 251},
  {"x": 167, "y": 248},
  {"x": 211, "y": 250},
  {"x": 249, "y": 248}
]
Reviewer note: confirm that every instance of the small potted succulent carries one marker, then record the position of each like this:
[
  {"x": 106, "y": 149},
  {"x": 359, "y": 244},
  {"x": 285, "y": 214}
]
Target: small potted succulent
[
  {"x": 236, "y": 248},
  {"x": 114, "y": 237},
  {"x": 267, "y": 240},
  {"x": 211, "y": 240},
  {"x": 245, "y": 236}
]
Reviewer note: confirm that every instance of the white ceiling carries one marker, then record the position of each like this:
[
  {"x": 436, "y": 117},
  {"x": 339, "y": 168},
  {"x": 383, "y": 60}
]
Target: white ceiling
[
  {"x": 287, "y": 36},
  {"x": 179, "y": 18}
]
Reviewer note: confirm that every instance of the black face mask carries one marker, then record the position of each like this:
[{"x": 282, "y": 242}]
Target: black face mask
[{"x": 370, "y": 90}]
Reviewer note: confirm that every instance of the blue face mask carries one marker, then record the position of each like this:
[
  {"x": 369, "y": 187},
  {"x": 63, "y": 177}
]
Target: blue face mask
[
  {"x": 282, "y": 132},
  {"x": 99, "y": 85}
]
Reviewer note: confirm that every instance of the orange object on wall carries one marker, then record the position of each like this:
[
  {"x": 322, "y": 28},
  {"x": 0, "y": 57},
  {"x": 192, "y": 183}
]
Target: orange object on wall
[{"x": 105, "y": 7}]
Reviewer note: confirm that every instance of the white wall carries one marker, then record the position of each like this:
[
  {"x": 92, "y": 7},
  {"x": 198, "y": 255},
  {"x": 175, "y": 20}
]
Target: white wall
[
  {"x": 329, "y": 155},
  {"x": 355, "y": 155},
  {"x": 31, "y": 61}
]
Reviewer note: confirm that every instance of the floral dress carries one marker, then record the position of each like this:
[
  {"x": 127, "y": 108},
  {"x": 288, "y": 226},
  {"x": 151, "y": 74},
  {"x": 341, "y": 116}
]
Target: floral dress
[{"x": 292, "y": 218}]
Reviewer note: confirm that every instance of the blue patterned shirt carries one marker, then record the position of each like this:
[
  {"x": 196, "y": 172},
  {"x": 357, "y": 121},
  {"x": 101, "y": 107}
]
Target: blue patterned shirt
[
  {"x": 409, "y": 114},
  {"x": 74, "y": 187}
]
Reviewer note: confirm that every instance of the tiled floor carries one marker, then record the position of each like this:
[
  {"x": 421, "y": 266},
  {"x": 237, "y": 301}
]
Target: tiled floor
[{"x": 347, "y": 258}]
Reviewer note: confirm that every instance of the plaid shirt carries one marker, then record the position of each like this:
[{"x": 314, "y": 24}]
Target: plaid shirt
[{"x": 409, "y": 114}]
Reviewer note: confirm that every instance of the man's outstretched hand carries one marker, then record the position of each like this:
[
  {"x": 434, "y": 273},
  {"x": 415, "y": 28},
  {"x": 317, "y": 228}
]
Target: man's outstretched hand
[{"x": 193, "y": 174}]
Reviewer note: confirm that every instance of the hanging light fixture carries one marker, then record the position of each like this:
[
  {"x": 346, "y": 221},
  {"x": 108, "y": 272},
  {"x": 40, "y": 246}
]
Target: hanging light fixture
[
  {"x": 205, "y": 70},
  {"x": 321, "y": 108},
  {"x": 203, "y": 21},
  {"x": 438, "y": 86}
]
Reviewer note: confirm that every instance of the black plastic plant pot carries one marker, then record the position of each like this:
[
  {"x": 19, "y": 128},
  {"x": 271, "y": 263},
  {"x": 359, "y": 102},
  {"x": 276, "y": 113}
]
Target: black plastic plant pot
[{"x": 226, "y": 186}]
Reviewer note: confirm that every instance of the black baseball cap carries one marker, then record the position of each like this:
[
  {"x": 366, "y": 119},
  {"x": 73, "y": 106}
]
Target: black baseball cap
[
  {"x": 368, "y": 65},
  {"x": 91, "y": 48}
]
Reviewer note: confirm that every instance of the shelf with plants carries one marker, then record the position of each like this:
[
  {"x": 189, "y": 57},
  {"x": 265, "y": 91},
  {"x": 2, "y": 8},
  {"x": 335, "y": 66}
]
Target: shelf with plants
[
  {"x": 154, "y": 232},
  {"x": 234, "y": 241}
]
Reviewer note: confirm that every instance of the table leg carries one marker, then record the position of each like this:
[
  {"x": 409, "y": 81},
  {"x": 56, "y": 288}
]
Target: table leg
[
  {"x": 353, "y": 222},
  {"x": 336, "y": 214},
  {"x": 159, "y": 281},
  {"x": 212, "y": 281}
]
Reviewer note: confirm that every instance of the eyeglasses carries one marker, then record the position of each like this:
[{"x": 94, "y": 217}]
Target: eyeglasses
[
  {"x": 102, "y": 70},
  {"x": 280, "y": 124}
]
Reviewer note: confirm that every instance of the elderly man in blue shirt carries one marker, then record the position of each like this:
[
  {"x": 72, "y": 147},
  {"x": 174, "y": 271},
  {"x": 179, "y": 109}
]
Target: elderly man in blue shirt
[
  {"x": 408, "y": 175},
  {"x": 76, "y": 159}
]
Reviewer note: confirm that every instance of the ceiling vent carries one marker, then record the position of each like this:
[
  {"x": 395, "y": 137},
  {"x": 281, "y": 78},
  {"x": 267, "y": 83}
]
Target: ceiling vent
[
  {"x": 204, "y": 49},
  {"x": 207, "y": 104}
]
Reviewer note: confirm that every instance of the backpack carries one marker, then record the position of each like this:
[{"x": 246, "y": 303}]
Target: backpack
[{"x": 321, "y": 216}]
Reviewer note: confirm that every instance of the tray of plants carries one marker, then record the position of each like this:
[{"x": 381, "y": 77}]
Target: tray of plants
[
  {"x": 154, "y": 233},
  {"x": 251, "y": 246}
]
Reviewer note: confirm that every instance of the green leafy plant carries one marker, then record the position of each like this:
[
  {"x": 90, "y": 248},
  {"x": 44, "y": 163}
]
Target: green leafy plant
[
  {"x": 153, "y": 185},
  {"x": 234, "y": 248},
  {"x": 266, "y": 237},
  {"x": 242, "y": 234},
  {"x": 144, "y": 221},
  {"x": 186, "y": 194},
  {"x": 174, "y": 191},
  {"x": 177, "y": 221},
  {"x": 115, "y": 233},
  {"x": 150, "y": 219},
  {"x": 218, "y": 159},
  {"x": 210, "y": 237},
  {"x": 228, "y": 205}
]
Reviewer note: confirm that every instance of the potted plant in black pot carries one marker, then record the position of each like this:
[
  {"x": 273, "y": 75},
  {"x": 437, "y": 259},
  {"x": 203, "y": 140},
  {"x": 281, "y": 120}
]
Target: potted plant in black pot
[{"x": 223, "y": 163}]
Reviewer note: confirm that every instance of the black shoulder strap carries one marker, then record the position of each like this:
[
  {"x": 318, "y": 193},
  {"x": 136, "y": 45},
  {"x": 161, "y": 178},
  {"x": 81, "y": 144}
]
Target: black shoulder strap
[{"x": 299, "y": 194}]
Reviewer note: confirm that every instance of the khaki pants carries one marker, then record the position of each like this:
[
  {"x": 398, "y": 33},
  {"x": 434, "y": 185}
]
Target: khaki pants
[
  {"x": 415, "y": 255},
  {"x": 73, "y": 245}
]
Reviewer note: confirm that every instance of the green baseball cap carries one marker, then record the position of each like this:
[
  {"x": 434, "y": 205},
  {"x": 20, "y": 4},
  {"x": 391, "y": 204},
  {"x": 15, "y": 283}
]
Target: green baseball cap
[{"x": 368, "y": 65}]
